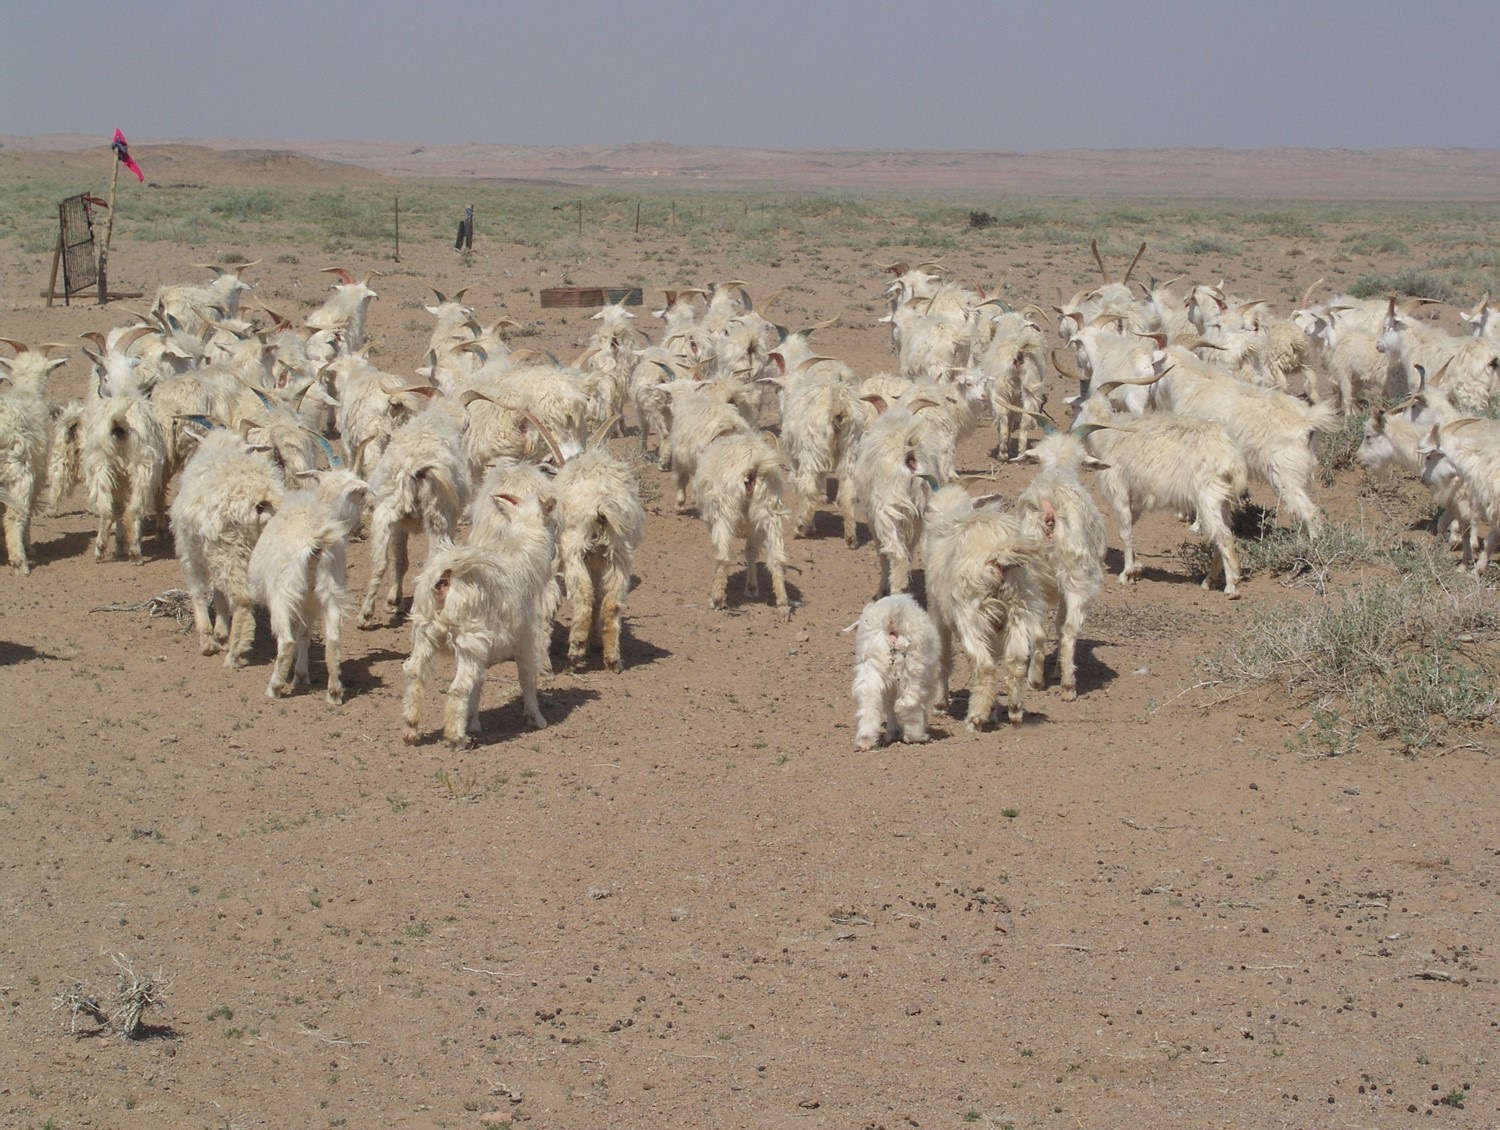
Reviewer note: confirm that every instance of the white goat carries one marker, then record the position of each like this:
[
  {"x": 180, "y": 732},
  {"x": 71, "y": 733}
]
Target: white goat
[
  {"x": 599, "y": 524},
  {"x": 1273, "y": 430},
  {"x": 122, "y": 460},
  {"x": 897, "y": 656},
  {"x": 24, "y": 438},
  {"x": 371, "y": 406},
  {"x": 1392, "y": 439},
  {"x": 481, "y": 604},
  {"x": 982, "y": 587},
  {"x": 297, "y": 570},
  {"x": 227, "y": 495},
  {"x": 821, "y": 422},
  {"x": 1166, "y": 462},
  {"x": 894, "y": 466},
  {"x": 188, "y": 309},
  {"x": 1057, "y": 512},
  {"x": 419, "y": 483},
  {"x": 1009, "y": 375},
  {"x": 1467, "y": 368},
  {"x": 703, "y": 411},
  {"x": 346, "y": 309},
  {"x": 741, "y": 493},
  {"x": 1473, "y": 447}
]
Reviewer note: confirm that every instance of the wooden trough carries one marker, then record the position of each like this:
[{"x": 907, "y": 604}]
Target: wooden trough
[{"x": 590, "y": 296}]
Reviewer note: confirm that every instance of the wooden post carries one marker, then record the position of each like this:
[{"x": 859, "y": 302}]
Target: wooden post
[
  {"x": 637, "y": 217},
  {"x": 674, "y": 213},
  {"x": 580, "y": 217},
  {"x": 56, "y": 257},
  {"x": 398, "y": 228},
  {"x": 109, "y": 229}
]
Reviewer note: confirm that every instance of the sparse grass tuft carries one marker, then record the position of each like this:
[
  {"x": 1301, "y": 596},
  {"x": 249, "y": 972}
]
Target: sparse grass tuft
[
  {"x": 1393, "y": 658},
  {"x": 1418, "y": 284},
  {"x": 1337, "y": 450}
]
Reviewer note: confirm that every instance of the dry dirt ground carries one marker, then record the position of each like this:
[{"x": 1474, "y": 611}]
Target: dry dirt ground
[{"x": 689, "y": 902}]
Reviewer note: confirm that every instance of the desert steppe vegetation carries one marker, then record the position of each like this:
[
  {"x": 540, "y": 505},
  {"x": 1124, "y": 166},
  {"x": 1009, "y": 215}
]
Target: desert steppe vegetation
[{"x": 1247, "y": 878}]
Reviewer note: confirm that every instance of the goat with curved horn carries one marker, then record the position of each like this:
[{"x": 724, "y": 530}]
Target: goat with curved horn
[{"x": 1103, "y": 271}]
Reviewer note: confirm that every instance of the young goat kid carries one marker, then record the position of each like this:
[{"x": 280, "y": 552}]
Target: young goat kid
[{"x": 896, "y": 664}]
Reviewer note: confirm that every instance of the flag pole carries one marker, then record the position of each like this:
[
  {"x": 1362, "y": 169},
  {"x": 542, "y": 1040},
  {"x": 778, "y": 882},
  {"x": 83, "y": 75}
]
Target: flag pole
[{"x": 109, "y": 228}]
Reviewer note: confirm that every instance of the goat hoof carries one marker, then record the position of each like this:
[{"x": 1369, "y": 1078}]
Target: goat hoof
[
  {"x": 411, "y": 737},
  {"x": 614, "y": 665},
  {"x": 1069, "y": 694},
  {"x": 1016, "y": 717},
  {"x": 465, "y": 742},
  {"x": 335, "y": 696},
  {"x": 210, "y": 647}
]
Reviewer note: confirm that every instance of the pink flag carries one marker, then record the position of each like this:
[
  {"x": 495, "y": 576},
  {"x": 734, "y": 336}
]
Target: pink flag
[{"x": 122, "y": 151}]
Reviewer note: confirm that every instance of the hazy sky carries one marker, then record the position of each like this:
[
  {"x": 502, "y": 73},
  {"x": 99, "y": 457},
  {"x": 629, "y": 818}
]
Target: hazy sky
[{"x": 785, "y": 74}]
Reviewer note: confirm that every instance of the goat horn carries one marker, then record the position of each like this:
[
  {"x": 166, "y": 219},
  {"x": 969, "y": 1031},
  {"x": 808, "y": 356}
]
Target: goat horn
[
  {"x": 1094, "y": 247},
  {"x": 334, "y": 462},
  {"x": 603, "y": 429},
  {"x": 1070, "y": 369},
  {"x": 879, "y": 402},
  {"x": 19, "y": 346},
  {"x": 1308, "y": 293},
  {"x": 130, "y": 337},
  {"x": 343, "y": 274},
  {"x": 548, "y": 436},
  {"x": 1109, "y": 386},
  {"x": 899, "y": 267},
  {"x": 1454, "y": 425},
  {"x": 468, "y": 397},
  {"x": 1160, "y": 339},
  {"x": 807, "y": 363},
  {"x": 1141, "y": 250},
  {"x": 914, "y": 406}
]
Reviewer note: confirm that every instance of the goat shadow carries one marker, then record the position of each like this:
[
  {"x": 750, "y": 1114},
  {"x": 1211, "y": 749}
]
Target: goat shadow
[
  {"x": 1093, "y": 674},
  {"x": 358, "y": 671},
  {"x": 64, "y": 547},
  {"x": 1114, "y": 561},
  {"x": 634, "y": 651},
  {"x": 736, "y": 601},
  {"x": 506, "y": 721}
]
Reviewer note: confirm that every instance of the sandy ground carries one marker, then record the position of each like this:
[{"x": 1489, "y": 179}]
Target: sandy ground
[{"x": 688, "y": 901}]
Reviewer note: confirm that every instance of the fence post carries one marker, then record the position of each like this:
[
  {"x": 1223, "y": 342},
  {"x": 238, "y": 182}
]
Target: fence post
[{"x": 109, "y": 228}]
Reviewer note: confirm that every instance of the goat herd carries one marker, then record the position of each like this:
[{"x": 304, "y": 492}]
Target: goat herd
[{"x": 1183, "y": 401}]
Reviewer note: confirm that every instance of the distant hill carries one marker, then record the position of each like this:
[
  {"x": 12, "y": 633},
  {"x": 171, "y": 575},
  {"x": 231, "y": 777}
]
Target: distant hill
[{"x": 1394, "y": 174}]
